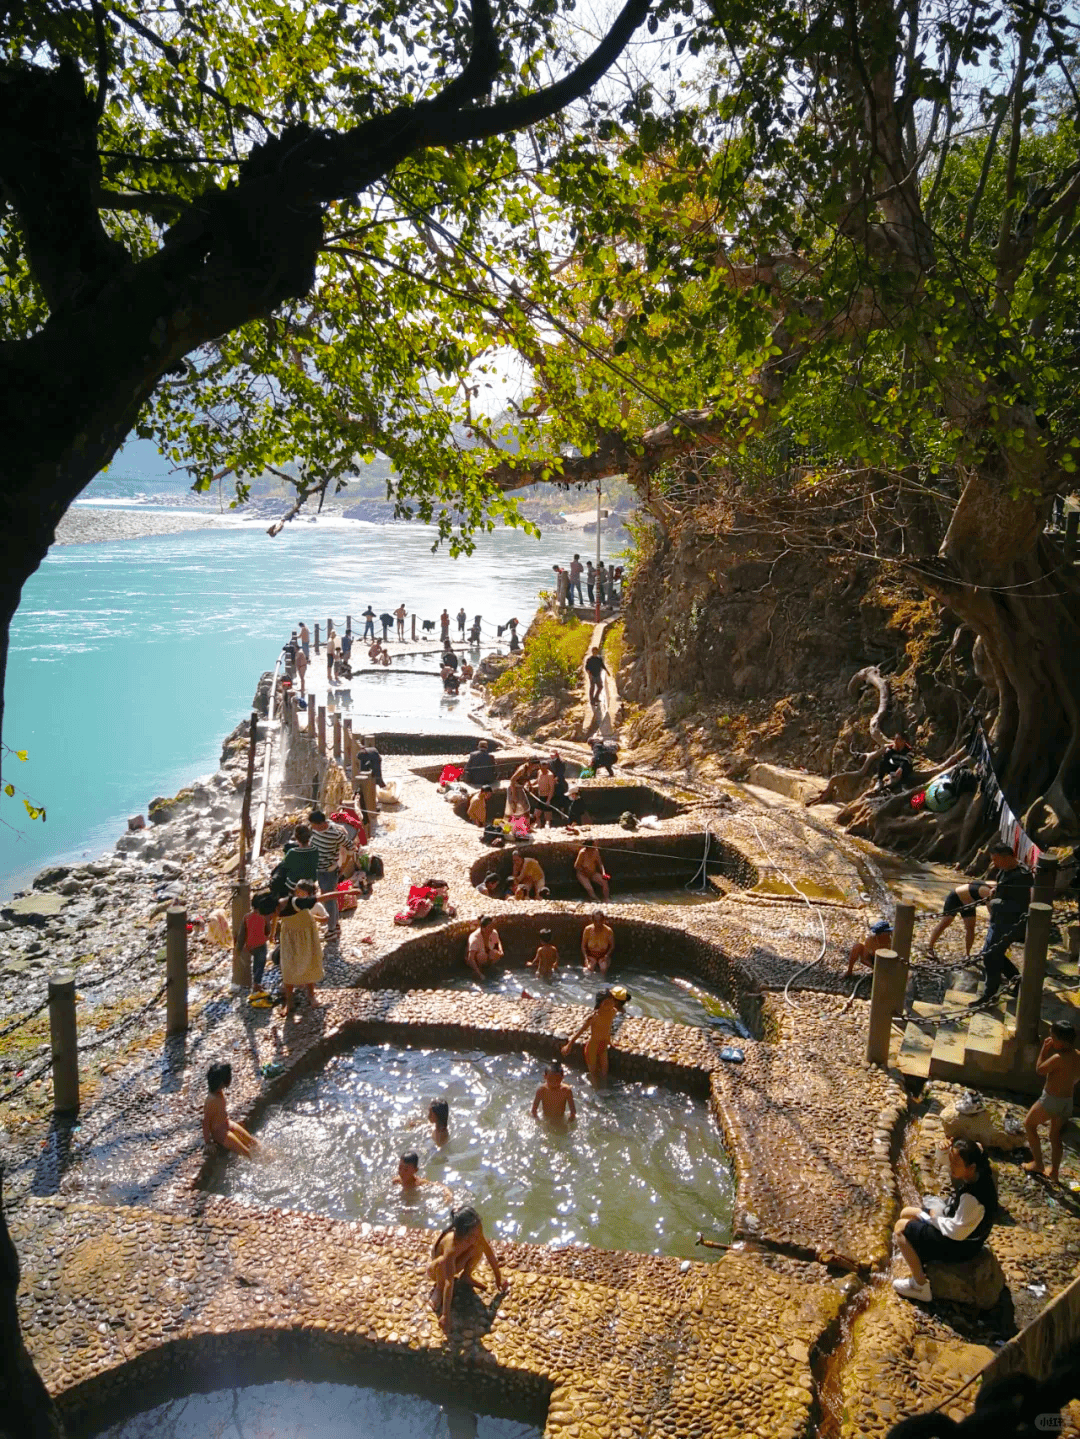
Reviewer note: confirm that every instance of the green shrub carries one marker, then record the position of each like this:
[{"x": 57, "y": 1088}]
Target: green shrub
[{"x": 551, "y": 662}]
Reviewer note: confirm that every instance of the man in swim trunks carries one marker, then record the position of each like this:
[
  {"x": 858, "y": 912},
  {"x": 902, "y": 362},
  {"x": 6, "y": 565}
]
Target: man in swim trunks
[
  {"x": 962, "y": 901},
  {"x": 589, "y": 868},
  {"x": 597, "y": 943},
  {"x": 399, "y": 615},
  {"x": 543, "y": 791},
  {"x": 1059, "y": 1065}
]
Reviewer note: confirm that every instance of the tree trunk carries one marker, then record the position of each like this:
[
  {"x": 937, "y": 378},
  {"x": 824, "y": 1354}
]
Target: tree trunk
[{"x": 26, "y": 1408}]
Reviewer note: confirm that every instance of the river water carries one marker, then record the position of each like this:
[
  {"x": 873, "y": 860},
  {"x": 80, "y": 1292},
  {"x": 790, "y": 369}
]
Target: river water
[{"x": 131, "y": 660}]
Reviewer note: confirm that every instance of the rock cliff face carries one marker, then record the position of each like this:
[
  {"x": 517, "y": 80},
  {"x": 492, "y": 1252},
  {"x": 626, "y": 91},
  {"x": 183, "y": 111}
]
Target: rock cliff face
[{"x": 747, "y": 647}]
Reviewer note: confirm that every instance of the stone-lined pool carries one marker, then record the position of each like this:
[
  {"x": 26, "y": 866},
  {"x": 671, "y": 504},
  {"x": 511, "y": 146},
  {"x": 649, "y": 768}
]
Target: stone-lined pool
[
  {"x": 642, "y": 1169},
  {"x": 298, "y": 1410}
]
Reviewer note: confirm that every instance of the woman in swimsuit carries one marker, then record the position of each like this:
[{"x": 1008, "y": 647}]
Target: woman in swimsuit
[
  {"x": 609, "y": 1003},
  {"x": 455, "y": 1255},
  {"x": 597, "y": 943}
]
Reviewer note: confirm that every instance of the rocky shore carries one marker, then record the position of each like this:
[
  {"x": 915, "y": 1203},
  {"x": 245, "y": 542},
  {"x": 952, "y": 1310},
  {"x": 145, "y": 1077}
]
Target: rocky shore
[{"x": 83, "y": 525}]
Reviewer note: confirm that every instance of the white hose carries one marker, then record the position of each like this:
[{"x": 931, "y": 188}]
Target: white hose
[
  {"x": 813, "y": 908},
  {"x": 703, "y": 867}
]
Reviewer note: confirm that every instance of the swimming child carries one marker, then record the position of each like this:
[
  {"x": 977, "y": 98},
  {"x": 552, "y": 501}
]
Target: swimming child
[
  {"x": 554, "y": 1095},
  {"x": 863, "y": 950},
  {"x": 1059, "y": 1065},
  {"x": 439, "y": 1115},
  {"x": 409, "y": 1177},
  {"x": 609, "y": 1003},
  {"x": 455, "y": 1255},
  {"x": 546, "y": 959},
  {"x": 217, "y": 1127}
]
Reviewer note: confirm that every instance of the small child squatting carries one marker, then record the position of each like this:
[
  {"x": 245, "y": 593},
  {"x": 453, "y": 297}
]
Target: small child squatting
[
  {"x": 555, "y": 1096},
  {"x": 1059, "y": 1066},
  {"x": 217, "y": 1127},
  {"x": 455, "y": 1255}
]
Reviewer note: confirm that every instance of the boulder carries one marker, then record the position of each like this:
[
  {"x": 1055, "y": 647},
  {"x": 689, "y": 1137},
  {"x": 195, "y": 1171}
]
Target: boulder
[
  {"x": 976, "y": 1283},
  {"x": 981, "y": 1127},
  {"x": 137, "y": 821},
  {"x": 46, "y": 878}
]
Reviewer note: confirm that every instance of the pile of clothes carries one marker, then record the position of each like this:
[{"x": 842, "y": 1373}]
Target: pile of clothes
[{"x": 431, "y": 897}]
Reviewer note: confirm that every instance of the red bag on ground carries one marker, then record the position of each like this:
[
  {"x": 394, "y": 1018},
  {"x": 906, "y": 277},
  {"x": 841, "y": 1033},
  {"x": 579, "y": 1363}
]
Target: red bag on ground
[
  {"x": 451, "y": 772},
  {"x": 347, "y": 899}
]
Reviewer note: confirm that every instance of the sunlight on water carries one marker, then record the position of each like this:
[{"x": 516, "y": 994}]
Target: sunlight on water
[
  {"x": 643, "y": 1167},
  {"x": 297, "y": 1410}
]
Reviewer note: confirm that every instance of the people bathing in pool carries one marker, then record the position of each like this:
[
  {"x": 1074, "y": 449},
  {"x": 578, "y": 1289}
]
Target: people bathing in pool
[
  {"x": 554, "y": 1096},
  {"x": 608, "y": 1004},
  {"x": 411, "y": 1181},
  {"x": 952, "y": 1229},
  {"x": 589, "y": 869},
  {"x": 217, "y": 1127},
  {"x": 1059, "y": 1067},
  {"x": 546, "y": 959},
  {"x": 597, "y": 943},
  {"x": 455, "y": 1255},
  {"x": 484, "y": 948}
]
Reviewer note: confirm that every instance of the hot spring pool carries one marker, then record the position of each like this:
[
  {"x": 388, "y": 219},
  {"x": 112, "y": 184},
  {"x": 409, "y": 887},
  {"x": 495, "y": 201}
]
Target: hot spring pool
[
  {"x": 642, "y": 1169},
  {"x": 299, "y": 1410},
  {"x": 654, "y": 993}
]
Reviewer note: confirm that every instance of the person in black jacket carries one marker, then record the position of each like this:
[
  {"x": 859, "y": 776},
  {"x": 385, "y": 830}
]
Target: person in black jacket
[
  {"x": 1008, "y": 913},
  {"x": 895, "y": 768},
  {"x": 952, "y": 1229},
  {"x": 480, "y": 766}
]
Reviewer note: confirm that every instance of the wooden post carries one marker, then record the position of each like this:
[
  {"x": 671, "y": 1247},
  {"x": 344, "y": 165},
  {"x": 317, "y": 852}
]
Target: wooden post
[
  {"x": 64, "y": 1034},
  {"x": 311, "y": 707},
  {"x": 365, "y": 788},
  {"x": 176, "y": 971},
  {"x": 886, "y": 999},
  {"x": 316, "y": 638},
  {"x": 1029, "y": 1004},
  {"x": 348, "y": 624},
  {"x": 329, "y": 627},
  {"x": 347, "y": 744},
  {"x": 246, "y": 832},
  {"x": 414, "y": 627},
  {"x": 1042, "y": 892},
  {"x": 337, "y": 734},
  {"x": 903, "y": 929},
  {"x": 241, "y": 960},
  {"x": 322, "y": 729},
  {"x": 1072, "y": 525}
]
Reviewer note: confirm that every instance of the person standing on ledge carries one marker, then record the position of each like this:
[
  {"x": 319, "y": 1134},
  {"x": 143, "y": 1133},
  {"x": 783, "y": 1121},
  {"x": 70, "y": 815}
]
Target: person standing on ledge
[
  {"x": 305, "y": 637},
  {"x": 461, "y": 618},
  {"x": 1059, "y": 1068},
  {"x": 1008, "y": 915},
  {"x": 369, "y": 623},
  {"x": 399, "y": 615},
  {"x": 331, "y": 654},
  {"x": 577, "y": 569},
  {"x": 444, "y": 627}
]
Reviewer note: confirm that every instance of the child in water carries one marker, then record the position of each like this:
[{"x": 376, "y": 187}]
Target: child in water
[
  {"x": 455, "y": 1255},
  {"x": 439, "y": 1114},
  {"x": 546, "y": 959},
  {"x": 408, "y": 1176},
  {"x": 554, "y": 1095},
  {"x": 217, "y": 1127},
  {"x": 609, "y": 1003}
]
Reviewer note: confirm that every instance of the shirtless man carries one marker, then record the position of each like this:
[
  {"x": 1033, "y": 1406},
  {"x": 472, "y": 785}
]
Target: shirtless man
[
  {"x": 554, "y": 1096},
  {"x": 863, "y": 950},
  {"x": 484, "y": 948},
  {"x": 301, "y": 667},
  {"x": 1059, "y": 1065},
  {"x": 589, "y": 868},
  {"x": 597, "y": 943},
  {"x": 544, "y": 792},
  {"x": 399, "y": 615}
]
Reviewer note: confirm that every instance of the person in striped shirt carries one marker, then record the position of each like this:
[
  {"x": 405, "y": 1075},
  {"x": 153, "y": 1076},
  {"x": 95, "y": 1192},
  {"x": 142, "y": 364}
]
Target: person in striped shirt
[{"x": 327, "y": 838}]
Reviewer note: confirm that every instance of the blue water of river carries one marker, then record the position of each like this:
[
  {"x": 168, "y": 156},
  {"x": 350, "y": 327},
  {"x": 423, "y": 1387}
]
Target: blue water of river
[{"x": 131, "y": 660}]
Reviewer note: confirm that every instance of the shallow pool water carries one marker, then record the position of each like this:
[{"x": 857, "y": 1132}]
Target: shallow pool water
[
  {"x": 642, "y": 1168},
  {"x": 657, "y": 994},
  {"x": 298, "y": 1410}
]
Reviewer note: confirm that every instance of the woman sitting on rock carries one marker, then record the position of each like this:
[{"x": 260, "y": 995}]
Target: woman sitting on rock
[{"x": 950, "y": 1230}]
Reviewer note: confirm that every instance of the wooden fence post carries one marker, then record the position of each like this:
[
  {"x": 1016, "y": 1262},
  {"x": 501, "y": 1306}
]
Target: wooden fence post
[
  {"x": 347, "y": 743},
  {"x": 316, "y": 639},
  {"x": 414, "y": 627},
  {"x": 241, "y": 960},
  {"x": 1029, "y": 1004},
  {"x": 64, "y": 1036},
  {"x": 337, "y": 734},
  {"x": 886, "y": 997},
  {"x": 176, "y": 971},
  {"x": 322, "y": 729},
  {"x": 311, "y": 707},
  {"x": 1072, "y": 525}
]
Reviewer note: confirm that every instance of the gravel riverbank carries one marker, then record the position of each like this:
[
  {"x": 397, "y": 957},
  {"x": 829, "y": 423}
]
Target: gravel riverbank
[{"x": 85, "y": 526}]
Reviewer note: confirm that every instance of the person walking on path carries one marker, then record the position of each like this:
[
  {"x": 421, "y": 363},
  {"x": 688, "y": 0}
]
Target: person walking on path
[
  {"x": 1008, "y": 913},
  {"x": 595, "y": 668},
  {"x": 332, "y": 646},
  {"x": 577, "y": 569},
  {"x": 301, "y": 666},
  {"x": 590, "y": 579},
  {"x": 444, "y": 627},
  {"x": 461, "y": 619},
  {"x": 328, "y": 839},
  {"x": 399, "y": 615},
  {"x": 369, "y": 623},
  {"x": 305, "y": 638}
]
